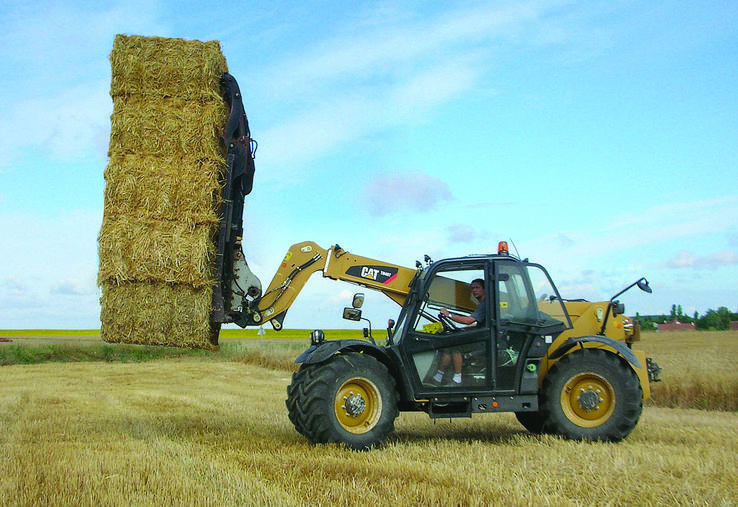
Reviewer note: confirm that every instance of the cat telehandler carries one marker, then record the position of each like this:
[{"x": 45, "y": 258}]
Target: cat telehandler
[{"x": 565, "y": 367}]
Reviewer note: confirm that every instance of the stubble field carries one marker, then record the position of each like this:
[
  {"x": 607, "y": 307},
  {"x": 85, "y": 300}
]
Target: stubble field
[{"x": 212, "y": 429}]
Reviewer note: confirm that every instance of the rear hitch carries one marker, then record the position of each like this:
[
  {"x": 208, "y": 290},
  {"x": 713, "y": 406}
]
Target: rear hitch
[{"x": 654, "y": 370}]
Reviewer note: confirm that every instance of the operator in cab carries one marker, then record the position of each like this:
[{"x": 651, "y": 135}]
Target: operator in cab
[{"x": 477, "y": 318}]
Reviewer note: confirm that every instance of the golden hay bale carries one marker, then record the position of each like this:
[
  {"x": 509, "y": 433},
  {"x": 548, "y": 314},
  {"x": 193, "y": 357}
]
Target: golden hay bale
[
  {"x": 145, "y": 250},
  {"x": 166, "y": 188},
  {"x": 164, "y": 67},
  {"x": 163, "y": 188},
  {"x": 156, "y": 126},
  {"x": 157, "y": 314}
]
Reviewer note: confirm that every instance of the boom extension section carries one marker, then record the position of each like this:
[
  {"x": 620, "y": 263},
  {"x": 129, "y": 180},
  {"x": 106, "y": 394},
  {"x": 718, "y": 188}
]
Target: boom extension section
[{"x": 304, "y": 259}]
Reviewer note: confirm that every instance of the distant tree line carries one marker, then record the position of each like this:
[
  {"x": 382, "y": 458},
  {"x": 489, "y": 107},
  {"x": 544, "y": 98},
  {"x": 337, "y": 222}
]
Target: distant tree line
[{"x": 713, "y": 320}]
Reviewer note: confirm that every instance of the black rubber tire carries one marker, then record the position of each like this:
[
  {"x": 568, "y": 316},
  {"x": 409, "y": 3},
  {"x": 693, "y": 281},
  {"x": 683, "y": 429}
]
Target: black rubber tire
[
  {"x": 295, "y": 392},
  {"x": 591, "y": 394},
  {"x": 320, "y": 395},
  {"x": 531, "y": 421}
]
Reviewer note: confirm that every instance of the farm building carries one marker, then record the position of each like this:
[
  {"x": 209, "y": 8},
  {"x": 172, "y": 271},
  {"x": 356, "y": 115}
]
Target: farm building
[{"x": 675, "y": 325}]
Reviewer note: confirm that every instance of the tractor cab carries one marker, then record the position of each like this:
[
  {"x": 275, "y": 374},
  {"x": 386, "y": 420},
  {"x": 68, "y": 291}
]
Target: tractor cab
[{"x": 484, "y": 351}]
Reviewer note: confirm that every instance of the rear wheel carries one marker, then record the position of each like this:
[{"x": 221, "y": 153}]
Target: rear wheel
[
  {"x": 591, "y": 394},
  {"x": 350, "y": 399}
]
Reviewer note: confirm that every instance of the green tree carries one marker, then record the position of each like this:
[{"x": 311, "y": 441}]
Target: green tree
[
  {"x": 715, "y": 320},
  {"x": 678, "y": 313}
]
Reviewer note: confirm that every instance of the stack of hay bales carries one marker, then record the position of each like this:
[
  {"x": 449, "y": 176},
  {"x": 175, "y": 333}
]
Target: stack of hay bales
[{"x": 163, "y": 185}]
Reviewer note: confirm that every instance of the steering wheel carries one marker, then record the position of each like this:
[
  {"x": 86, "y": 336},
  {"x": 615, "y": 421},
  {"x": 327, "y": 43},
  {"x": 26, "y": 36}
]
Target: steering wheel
[{"x": 448, "y": 324}]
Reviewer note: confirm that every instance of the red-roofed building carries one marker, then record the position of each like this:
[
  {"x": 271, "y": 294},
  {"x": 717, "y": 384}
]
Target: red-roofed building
[{"x": 675, "y": 325}]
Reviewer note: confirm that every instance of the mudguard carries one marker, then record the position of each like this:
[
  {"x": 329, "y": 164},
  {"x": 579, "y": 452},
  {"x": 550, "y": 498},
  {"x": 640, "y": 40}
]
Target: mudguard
[
  {"x": 320, "y": 353},
  {"x": 621, "y": 347}
]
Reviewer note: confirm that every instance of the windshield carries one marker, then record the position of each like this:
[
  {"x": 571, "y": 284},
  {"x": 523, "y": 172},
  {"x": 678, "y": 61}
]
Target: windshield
[
  {"x": 527, "y": 296},
  {"x": 451, "y": 289}
]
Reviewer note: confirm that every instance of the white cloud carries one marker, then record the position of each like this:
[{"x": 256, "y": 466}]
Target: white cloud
[
  {"x": 683, "y": 259},
  {"x": 70, "y": 287},
  {"x": 430, "y": 87},
  {"x": 70, "y": 124},
  {"x": 341, "y": 116},
  {"x": 62, "y": 41},
  {"x": 406, "y": 192},
  {"x": 342, "y": 297},
  {"x": 57, "y": 100},
  {"x": 594, "y": 262},
  {"x": 14, "y": 287},
  {"x": 341, "y": 89},
  {"x": 719, "y": 210},
  {"x": 632, "y": 231},
  {"x": 49, "y": 270},
  {"x": 687, "y": 259},
  {"x": 462, "y": 233},
  {"x": 391, "y": 49}
]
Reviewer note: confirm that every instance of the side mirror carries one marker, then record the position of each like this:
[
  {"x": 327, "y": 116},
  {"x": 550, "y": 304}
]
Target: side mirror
[
  {"x": 352, "y": 314},
  {"x": 643, "y": 285},
  {"x": 358, "y": 301}
]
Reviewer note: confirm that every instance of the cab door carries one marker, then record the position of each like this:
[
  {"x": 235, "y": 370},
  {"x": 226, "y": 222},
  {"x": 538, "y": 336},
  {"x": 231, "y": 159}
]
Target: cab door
[
  {"x": 529, "y": 315},
  {"x": 433, "y": 344}
]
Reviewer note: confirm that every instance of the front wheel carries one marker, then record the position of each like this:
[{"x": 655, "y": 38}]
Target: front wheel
[
  {"x": 591, "y": 394},
  {"x": 350, "y": 399}
]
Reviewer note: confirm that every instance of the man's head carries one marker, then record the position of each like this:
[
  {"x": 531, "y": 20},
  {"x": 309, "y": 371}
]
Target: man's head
[{"x": 477, "y": 288}]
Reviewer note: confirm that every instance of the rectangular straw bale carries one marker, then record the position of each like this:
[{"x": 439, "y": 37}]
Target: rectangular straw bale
[
  {"x": 154, "y": 313},
  {"x": 141, "y": 250},
  {"x": 164, "y": 67},
  {"x": 166, "y": 126},
  {"x": 163, "y": 188}
]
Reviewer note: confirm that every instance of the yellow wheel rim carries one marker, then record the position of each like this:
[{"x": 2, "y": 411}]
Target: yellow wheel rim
[
  {"x": 588, "y": 400},
  {"x": 358, "y": 405}
]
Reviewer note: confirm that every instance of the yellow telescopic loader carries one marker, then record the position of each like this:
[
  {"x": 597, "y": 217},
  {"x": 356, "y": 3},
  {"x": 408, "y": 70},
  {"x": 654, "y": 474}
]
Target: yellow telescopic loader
[{"x": 563, "y": 367}]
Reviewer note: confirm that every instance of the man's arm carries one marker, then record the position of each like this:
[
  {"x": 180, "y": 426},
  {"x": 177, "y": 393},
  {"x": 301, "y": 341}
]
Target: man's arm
[{"x": 467, "y": 320}]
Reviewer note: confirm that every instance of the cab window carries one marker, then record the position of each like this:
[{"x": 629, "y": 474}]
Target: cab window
[
  {"x": 452, "y": 290},
  {"x": 526, "y": 296}
]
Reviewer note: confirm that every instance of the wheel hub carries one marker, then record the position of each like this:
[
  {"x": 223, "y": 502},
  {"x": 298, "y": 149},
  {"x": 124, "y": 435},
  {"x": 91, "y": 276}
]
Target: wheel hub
[
  {"x": 589, "y": 399},
  {"x": 354, "y": 404},
  {"x": 358, "y": 405}
]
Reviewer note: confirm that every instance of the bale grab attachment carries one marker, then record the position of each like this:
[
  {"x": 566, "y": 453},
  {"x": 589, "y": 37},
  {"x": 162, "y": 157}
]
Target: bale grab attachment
[{"x": 235, "y": 283}]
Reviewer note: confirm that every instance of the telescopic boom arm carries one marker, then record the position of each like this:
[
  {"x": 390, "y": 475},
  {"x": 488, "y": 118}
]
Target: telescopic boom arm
[{"x": 304, "y": 259}]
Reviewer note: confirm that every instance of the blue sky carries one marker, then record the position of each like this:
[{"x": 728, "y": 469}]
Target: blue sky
[{"x": 600, "y": 136}]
